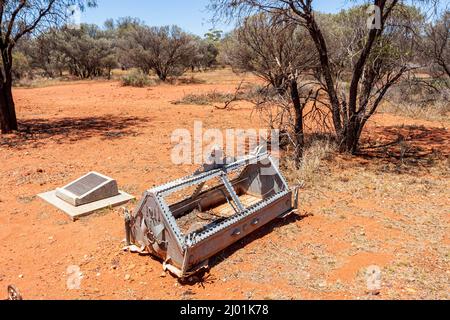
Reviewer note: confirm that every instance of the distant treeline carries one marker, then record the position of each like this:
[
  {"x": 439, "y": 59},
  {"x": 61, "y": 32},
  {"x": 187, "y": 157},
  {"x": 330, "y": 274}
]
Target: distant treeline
[{"x": 91, "y": 51}]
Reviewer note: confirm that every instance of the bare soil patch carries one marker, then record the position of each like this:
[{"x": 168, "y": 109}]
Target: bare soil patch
[{"x": 388, "y": 207}]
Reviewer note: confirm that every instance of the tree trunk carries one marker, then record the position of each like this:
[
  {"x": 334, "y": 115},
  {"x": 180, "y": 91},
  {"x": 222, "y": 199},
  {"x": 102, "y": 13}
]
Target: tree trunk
[
  {"x": 322, "y": 49},
  {"x": 352, "y": 136},
  {"x": 8, "y": 119},
  {"x": 299, "y": 130},
  {"x": 161, "y": 75}
]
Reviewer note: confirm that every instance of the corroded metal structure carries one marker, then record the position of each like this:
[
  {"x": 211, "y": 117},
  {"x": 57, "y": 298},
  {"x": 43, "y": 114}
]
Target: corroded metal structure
[{"x": 188, "y": 221}]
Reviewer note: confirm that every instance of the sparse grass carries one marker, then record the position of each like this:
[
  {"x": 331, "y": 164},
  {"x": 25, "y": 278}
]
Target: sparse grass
[
  {"x": 220, "y": 75},
  {"x": 246, "y": 92},
  {"x": 311, "y": 165},
  {"x": 419, "y": 102},
  {"x": 26, "y": 199},
  {"x": 186, "y": 80},
  {"x": 40, "y": 82},
  {"x": 204, "y": 99},
  {"x": 402, "y": 217},
  {"x": 433, "y": 111},
  {"x": 130, "y": 188}
]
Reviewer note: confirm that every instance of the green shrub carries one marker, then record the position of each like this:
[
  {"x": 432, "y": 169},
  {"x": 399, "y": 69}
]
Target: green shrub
[
  {"x": 21, "y": 65},
  {"x": 137, "y": 79}
]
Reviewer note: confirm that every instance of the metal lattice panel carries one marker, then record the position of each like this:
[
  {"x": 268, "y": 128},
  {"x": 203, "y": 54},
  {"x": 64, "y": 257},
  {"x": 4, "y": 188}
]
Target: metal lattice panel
[{"x": 270, "y": 198}]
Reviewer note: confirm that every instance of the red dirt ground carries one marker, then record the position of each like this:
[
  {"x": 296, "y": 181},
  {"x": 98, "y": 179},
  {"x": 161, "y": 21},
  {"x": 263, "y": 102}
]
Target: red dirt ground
[{"x": 370, "y": 210}]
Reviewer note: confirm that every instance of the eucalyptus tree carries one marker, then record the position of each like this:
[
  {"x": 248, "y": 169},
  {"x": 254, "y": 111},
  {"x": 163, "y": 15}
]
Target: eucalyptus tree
[
  {"x": 19, "y": 18},
  {"x": 379, "y": 35}
]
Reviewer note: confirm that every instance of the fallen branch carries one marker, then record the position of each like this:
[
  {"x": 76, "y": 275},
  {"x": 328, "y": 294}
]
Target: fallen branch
[{"x": 234, "y": 99}]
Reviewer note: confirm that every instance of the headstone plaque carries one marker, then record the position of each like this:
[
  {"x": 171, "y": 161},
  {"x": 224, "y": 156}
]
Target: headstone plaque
[
  {"x": 86, "y": 195},
  {"x": 90, "y": 188}
]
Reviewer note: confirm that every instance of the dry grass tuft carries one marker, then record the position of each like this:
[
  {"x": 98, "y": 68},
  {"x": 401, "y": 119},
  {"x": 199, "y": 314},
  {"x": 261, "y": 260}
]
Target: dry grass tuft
[
  {"x": 311, "y": 165},
  {"x": 433, "y": 111},
  {"x": 43, "y": 82},
  {"x": 137, "y": 79},
  {"x": 419, "y": 102},
  {"x": 244, "y": 92},
  {"x": 185, "y": 80},
  {"x": 205, "y": 99}
]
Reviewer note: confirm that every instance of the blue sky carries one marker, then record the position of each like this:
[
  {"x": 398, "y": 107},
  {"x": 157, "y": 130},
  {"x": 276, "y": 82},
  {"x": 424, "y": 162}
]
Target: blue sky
[{"x": 191, "y": 15}]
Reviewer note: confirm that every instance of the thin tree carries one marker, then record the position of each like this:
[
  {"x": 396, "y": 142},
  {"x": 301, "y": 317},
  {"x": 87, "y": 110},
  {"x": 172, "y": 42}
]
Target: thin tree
[
  {"x": 350, "y": 112},
  {"x": 282, "y": 55},
  {"x": 437, "y": 46},
  {"x": 19, "y": 18}
]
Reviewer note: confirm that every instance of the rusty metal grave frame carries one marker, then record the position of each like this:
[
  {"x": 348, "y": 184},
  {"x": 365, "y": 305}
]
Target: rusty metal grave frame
[{"x": 153, "y": 226}]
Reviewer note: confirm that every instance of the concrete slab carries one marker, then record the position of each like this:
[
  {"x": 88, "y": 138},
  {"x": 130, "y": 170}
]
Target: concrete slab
[{"x": 84, "y": 210}]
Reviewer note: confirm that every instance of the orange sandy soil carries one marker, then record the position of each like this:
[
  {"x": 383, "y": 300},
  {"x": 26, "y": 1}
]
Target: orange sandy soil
[{"x": 378, "y": 209}]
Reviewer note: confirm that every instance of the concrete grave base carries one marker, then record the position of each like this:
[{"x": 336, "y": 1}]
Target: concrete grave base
[{"x": 84, "y": 210}]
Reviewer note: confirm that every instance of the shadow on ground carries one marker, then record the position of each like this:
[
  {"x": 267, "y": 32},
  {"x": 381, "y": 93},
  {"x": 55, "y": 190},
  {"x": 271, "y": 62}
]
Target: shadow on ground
[
  {"x": 414, "y": 146},
  {"x": 36, "y": 132},
  {"x": 203, "y": 279}
]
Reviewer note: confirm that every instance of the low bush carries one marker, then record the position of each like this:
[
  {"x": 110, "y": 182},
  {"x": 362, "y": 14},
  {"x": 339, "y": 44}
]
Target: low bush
[
  {"x": 137, "y": 79},
  {"x": 309, "y": 171},
  {"x": 205, "y": 99}
]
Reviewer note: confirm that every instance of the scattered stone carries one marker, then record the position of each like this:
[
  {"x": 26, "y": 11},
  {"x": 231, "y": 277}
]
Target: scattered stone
[
  {"x": 20, "y": 276},
  {"x": 127, "y": 277},
  {"x": 115, "y": 263},
  {"x": 163, "y": 275},
  {"x": 134, "y": 249},
  {"x": 374, "y": 292},
  {"x": 188, "y": 293},
  {"x": 411, "y": 290}
]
